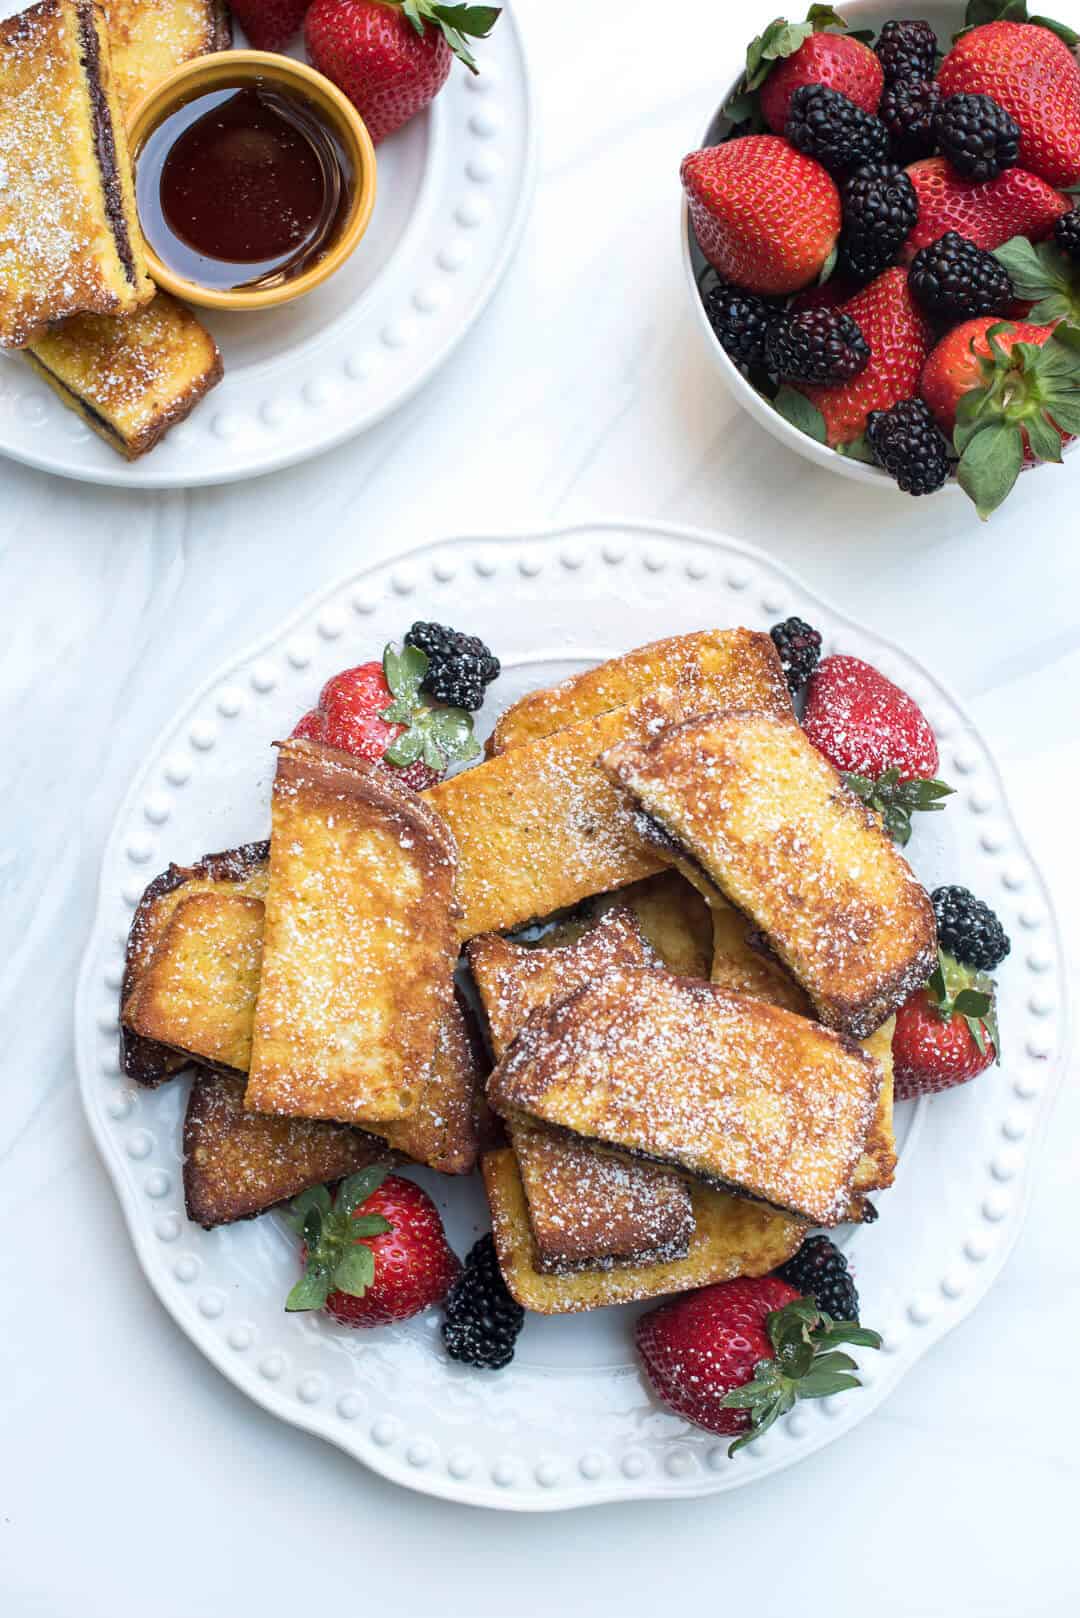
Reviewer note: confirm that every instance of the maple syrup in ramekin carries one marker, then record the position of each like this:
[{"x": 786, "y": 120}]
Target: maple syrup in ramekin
[{"x": 243, "y": 186}]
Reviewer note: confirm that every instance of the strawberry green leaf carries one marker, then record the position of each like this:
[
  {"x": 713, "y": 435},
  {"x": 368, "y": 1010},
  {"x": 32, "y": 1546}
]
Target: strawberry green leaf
[
  {"x": 835, "y": 1361},
  {"x": 354, "y": 1270},
  {"x": 1043, "y": 437},
  {"x": 310, "y": 1292},
  {"x": 797, "y": 408},
  {"x": 896, "y": 801},
  {"x": 452, "y": 730},
  {"x": 370, "y": 1225},
  {"x": 990, "y": 465},
  {"x": 1044, "y": 276},
  {"x": 316, "y": 1197},
  {"x": 354, "y": 1192},
  {"x": 406, "y": 749},
  {"x": 404, "y": 671},
  {"x": 822, "y": 1384},
  {"x": 858, "y": 449},
  {"x": 313, "y": 1227},
  {"x": 847, "y": 1331},
  {"x": 972, "y": 1003}
]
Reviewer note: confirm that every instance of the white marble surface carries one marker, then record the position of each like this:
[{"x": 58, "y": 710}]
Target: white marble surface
[{"x": 133, "y": 1478}]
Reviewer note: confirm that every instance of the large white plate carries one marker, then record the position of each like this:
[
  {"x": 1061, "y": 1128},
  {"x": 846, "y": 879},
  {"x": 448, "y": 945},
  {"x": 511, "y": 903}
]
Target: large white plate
[
  {"x": 454, "y": 188},
  {"x": 571, "y": 1421}
]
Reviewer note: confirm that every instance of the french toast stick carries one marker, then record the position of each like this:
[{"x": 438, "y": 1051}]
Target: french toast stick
[
  {"x": 746, "y": 806},
  {"x": 738, "y": 667},
  {"x": 359, "y": 945},
  {"x": 729, "y": 1089}
]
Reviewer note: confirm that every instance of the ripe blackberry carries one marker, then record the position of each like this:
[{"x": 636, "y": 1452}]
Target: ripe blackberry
[
  {"x": 907, "y": 110},
  {"x": 798, "y": 646},
  {"x": 907, "y": 50},
  {"x": 482, "y": 1319},
  {"x": 978, "y": 137},
  {"x": 816, "y": 345},
  {"x": 880, "y": 210},
  {"x": 955, "y": 280},
  {"x": 907, "y": 442},
  {"x": 1067, "y": 234},
  {"x": 820, "y": 1271},
  {"x": 968, "y": 929},
  {"x": 825, "y": 125},
  {"x": 741, "y": 321},
  {"x": 459, "y": 666}
]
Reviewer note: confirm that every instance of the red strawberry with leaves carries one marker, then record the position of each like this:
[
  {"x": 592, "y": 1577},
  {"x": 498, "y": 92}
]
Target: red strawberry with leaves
[
  {"x": 392, "y": 57},
  {"x": 375, "y": 1253},
  {"x": 946, "y": 1033},
  {"x": 1017, "y": 203},
  {"x": 787, "y": 55},
  {"x": 877, "y": 737},
  {"x": 269, "y": 24},
  {"x": 1032, "y": 73},
  {"x": 1008, "y": 393},
  {"x": 736, "y": 1356},
  {"x": 900, "y": 338},
  {"x": 765, "y": 216},
  {"x": 376, "y": 711}
]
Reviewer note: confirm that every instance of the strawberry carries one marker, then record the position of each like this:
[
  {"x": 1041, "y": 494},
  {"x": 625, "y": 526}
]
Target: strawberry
[
  {"x": 269, "y": 24},
  {"x": 1034, "y": 75},
  {"x": 899, "y": 335},
  {"x": 877, "y": 737},
  {"x": 788, "y": 55},
  {"x": 374, "y": 1254},
  {"x": 1008, "y": 392},
  {"x": 946, "y": 1033},
  {"x": 392, "y": 57},
  {"x": 765, "y": 216},
  {"x": 375, "y": 712},
  {"x": 735, "y": 1356},
  {"x": 1017, "y": 203}
]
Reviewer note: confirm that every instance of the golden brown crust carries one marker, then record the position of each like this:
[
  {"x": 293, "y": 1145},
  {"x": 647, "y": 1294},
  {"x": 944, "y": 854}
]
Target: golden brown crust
[
  {"x": 733, "y": 666},
  {"x": 360, "y": 942},
  {"x": 130, "y": 378},
  {"x": 69, "y": 235},
  {"x": 239, "y": 1163},
  {"x": 732, "y": 1237},
  {"x": 729, "y": 1089},
  {"x": 240, "y": 870},
  {"x": 746, "y": 797},
  {"x": 675, "y": 920},
  {"x": 151, "y": 37}
]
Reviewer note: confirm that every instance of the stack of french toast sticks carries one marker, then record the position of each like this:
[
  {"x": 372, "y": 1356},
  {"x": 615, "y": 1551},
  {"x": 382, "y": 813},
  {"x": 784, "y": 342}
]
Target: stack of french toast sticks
[
  {"x": 75, "y": 295},
  {"x": 665, "y": 1084}
]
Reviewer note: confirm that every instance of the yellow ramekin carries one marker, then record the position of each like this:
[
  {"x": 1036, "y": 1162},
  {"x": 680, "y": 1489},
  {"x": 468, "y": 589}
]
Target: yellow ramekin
[{"x": 222, "y": 70}]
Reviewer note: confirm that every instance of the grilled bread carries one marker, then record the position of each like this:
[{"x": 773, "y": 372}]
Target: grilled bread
[
  {"x": 242, "y": 871},
  {"x": 239, "y": 1163},
  {"x": 151, "y": 37},
  {"x": 738, "y": 967},
  {"x": 196, "y": 999},
  {"x": 731, "y": 1237},
  {"x": 736, "y": 667},
  {"x": 675, "y": 920},
  {"x": 69, "y": 234},
  {"x": 130, "y": 378},
  {"x": 586, "y": 1209},
  {"x": 359, "y": 943},
  {"x": 746, "y": 806},
  {"x": 731, "y": 1090}
]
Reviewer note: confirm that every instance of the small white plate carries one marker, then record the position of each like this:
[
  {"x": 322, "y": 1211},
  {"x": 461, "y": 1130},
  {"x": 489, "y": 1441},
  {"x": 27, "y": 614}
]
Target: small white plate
[
  {"x": 454, "y": 188},
  {"x": 570, "y": 1421}
]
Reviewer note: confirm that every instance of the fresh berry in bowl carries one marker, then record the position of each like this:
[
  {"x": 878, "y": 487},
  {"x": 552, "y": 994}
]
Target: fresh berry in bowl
[{"x": 949, "y": 143}]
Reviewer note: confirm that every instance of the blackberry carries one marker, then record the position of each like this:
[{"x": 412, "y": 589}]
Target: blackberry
[
  {"x": 968, "y": 929},
  {"x": 798, "y": 645},
  {"x": 741, "y": 321},
  {"x": 825, "y": 125},
  {"x": 907, "y": 442},
  {"x": 820, "y": 1271},
  {"x": 816, "y": 345},
  {"x": 907, "y": 110},
  {"x": 482, "y": 1319},
  {"x": 955, "y": 280},
  {"x": 459, "y": 666},
  {"x": 1067, "y": 234},
  {"x": 880, "y": 210},
  {"x": 907, "y": 50},
  {"x": 977, "y": 137}
]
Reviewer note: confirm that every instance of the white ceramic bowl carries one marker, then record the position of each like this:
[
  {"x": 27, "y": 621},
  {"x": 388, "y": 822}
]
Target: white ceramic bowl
[{"x": 947, "y": 20}]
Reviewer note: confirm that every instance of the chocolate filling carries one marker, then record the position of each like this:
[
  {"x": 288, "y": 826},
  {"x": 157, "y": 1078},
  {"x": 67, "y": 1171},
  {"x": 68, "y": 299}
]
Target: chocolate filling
[
  {"x": 85, "y": 408},
  {"x": 651, "y": 831},
  {"x": 105, "y": 140}
]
